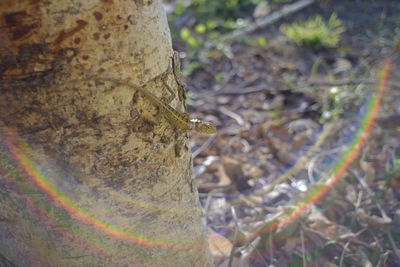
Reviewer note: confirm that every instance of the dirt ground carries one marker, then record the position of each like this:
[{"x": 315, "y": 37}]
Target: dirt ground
[{"x": 291, "y": 178}]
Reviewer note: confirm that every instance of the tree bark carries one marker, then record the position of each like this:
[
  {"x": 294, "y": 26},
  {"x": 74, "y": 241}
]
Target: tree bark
[{"x": 91, "y": 173}]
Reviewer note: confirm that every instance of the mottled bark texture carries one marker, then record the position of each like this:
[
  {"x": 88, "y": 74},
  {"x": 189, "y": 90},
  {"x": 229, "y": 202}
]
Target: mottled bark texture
[{"x": 91, "y": 174}]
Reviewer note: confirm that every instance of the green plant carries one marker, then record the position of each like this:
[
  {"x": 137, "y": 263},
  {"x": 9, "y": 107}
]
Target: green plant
[
  {"x": 342, "y": 102},
  {"x": 315, "y": 32},
  {"x": 189, "y": 39},
  {"x": 281, "y": 1},
  {"x": 255, "y": 42},
  {"x": 209, "y": 19}
]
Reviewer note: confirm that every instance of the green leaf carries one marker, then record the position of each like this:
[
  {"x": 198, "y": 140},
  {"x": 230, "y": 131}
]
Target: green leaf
[
  {"x": 185, "y": 34},
  {"x": 200, "y": 28},
  {"x": 261, "y": 41}
]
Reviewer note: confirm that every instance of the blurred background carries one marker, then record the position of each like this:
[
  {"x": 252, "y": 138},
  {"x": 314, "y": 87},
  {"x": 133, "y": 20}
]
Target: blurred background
[{"x": 305, "y": 168}]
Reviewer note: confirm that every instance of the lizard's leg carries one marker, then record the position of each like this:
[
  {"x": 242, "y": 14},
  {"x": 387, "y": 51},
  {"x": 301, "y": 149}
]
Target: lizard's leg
[
  {"x": 171, "y": 92},
  {"x": 164, "y": 78},
  {"x": 181, "y": 143},
  {"x": 176, "y": 68}
]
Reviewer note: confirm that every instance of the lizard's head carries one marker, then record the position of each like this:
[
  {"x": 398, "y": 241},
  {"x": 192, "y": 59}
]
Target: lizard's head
[{"x": 203, "y": 127}]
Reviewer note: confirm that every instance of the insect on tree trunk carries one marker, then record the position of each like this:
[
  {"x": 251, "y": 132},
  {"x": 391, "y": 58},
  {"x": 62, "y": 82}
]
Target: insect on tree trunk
[{"x": 91, "y": 173}]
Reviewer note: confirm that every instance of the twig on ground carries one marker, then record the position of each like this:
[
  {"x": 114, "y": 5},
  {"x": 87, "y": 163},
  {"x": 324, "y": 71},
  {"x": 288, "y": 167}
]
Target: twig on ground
[
  {"x": 271, "y": 250},
  {"x": 232, "y": 115},
  {"x": 267, "y": 88},
  {"x": 342, "y": 254},
  {"x": 381, "y": 210},
  {"x": 313, "y": 162},
  {"x": 235, "y": 237},
  {"x": 265, "y": 21},
  {"x": 364, "y": 184},
  {"x": 302, "y": 247},
  {"x": 353, "y": 238},
  {"x": 204, "y": 145},
  {"x": 394, "y": 247},
  {"x": 328, "y": 129}
]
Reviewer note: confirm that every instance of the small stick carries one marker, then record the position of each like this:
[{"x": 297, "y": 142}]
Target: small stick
[{"x": 260, "y": 23}]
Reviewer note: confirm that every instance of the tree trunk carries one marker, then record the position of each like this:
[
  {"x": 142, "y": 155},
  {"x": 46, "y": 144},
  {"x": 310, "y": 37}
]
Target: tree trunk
[{"x": 91, "y": 173}]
